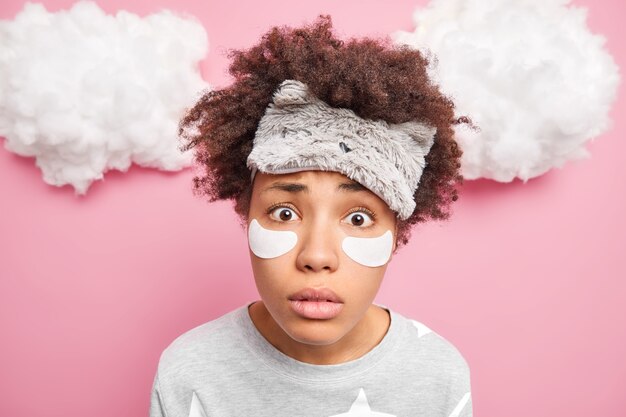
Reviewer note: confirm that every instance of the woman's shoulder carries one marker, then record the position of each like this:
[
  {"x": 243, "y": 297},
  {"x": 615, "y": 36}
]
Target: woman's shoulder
[
  {"x": 203, "y": 342},
  {"x": 427, "y": 344}
]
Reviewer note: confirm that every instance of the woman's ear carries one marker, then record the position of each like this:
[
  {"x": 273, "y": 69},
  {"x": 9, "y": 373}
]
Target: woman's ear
[{"x": 395, "y": 237}]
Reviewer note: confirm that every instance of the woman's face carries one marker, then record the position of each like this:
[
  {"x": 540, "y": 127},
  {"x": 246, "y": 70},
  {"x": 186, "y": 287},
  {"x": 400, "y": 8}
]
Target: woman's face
[{"x": 318, "y": 230}]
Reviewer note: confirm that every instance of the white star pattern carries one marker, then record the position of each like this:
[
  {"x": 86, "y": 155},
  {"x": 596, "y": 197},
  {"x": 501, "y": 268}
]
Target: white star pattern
[
  {"x": 459, "y": 407},
  {"x": 196, "y": 409},
  {"x": 421, "y": 328},
  {"x": 361, "y": 408}
]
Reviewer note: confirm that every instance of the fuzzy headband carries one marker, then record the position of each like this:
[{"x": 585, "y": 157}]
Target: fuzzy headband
[{"x": 300, "y": 132}]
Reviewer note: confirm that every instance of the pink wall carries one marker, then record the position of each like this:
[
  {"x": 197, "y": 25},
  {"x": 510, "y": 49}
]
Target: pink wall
[{"x": 527, "y": 280}]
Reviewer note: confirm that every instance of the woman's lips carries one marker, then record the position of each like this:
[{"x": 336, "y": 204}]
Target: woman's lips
[
  {"x": 316, "y": 309},
  {"x": 316, "y": 303}
]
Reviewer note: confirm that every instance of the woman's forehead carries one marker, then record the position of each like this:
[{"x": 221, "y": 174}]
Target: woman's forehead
[
  {"x": 311, "y": 179},
  {"x": 306, "y": 183}
]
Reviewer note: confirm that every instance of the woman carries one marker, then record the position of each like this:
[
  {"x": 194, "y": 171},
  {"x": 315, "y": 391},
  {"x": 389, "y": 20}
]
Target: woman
[{"x": 331, "y": 152}]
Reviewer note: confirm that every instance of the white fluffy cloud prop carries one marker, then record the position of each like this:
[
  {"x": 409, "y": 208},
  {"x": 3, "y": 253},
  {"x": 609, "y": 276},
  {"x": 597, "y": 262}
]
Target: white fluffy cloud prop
[
  {"x": 529, "y": 73},
  {"x": 84, "y": 92}
]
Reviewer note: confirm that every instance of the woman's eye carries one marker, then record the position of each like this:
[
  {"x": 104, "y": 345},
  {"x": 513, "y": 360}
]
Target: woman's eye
[
  {"x": 359, "y": 218},
  {"x": 283, "y": 214}
]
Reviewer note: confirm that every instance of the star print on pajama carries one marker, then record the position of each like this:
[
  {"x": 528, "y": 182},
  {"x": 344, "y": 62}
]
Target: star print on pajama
[
  {"x": 422, "y": 329},
  {"x": 196, "y": 409},
  {"x": 361, "y": 408},
  {"x": 459, "y": 407}
]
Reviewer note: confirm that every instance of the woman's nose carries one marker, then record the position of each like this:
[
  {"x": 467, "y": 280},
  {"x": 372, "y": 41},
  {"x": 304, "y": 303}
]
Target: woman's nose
[{"x": 318, "y": 248}]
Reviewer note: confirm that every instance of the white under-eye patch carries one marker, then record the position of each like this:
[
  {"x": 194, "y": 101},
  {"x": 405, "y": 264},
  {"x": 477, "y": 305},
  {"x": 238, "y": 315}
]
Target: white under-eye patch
[
  {"x": 266, "y": 243},
  {"x": 369, "y": 251}
]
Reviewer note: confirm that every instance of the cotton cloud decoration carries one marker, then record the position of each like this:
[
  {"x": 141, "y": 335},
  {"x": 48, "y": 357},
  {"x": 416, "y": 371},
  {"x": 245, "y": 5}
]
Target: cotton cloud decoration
[
  {"x": 85, "y": 92},
  {"x": 529, "y": 74}
]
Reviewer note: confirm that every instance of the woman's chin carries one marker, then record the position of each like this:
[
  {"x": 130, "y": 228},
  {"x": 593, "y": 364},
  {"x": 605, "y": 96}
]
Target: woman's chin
[{"x": 316, "y": 333}]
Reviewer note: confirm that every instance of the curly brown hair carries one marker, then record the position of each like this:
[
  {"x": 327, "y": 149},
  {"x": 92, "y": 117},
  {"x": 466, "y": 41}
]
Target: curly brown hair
[{"x": 373, "y": 77}]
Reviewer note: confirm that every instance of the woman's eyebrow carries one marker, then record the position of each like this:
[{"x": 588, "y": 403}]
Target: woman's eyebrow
[
  {"x": 351, "y": 186},
  {"x": 294, "y": 187},
  {"x": 290, "y": 187}
]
